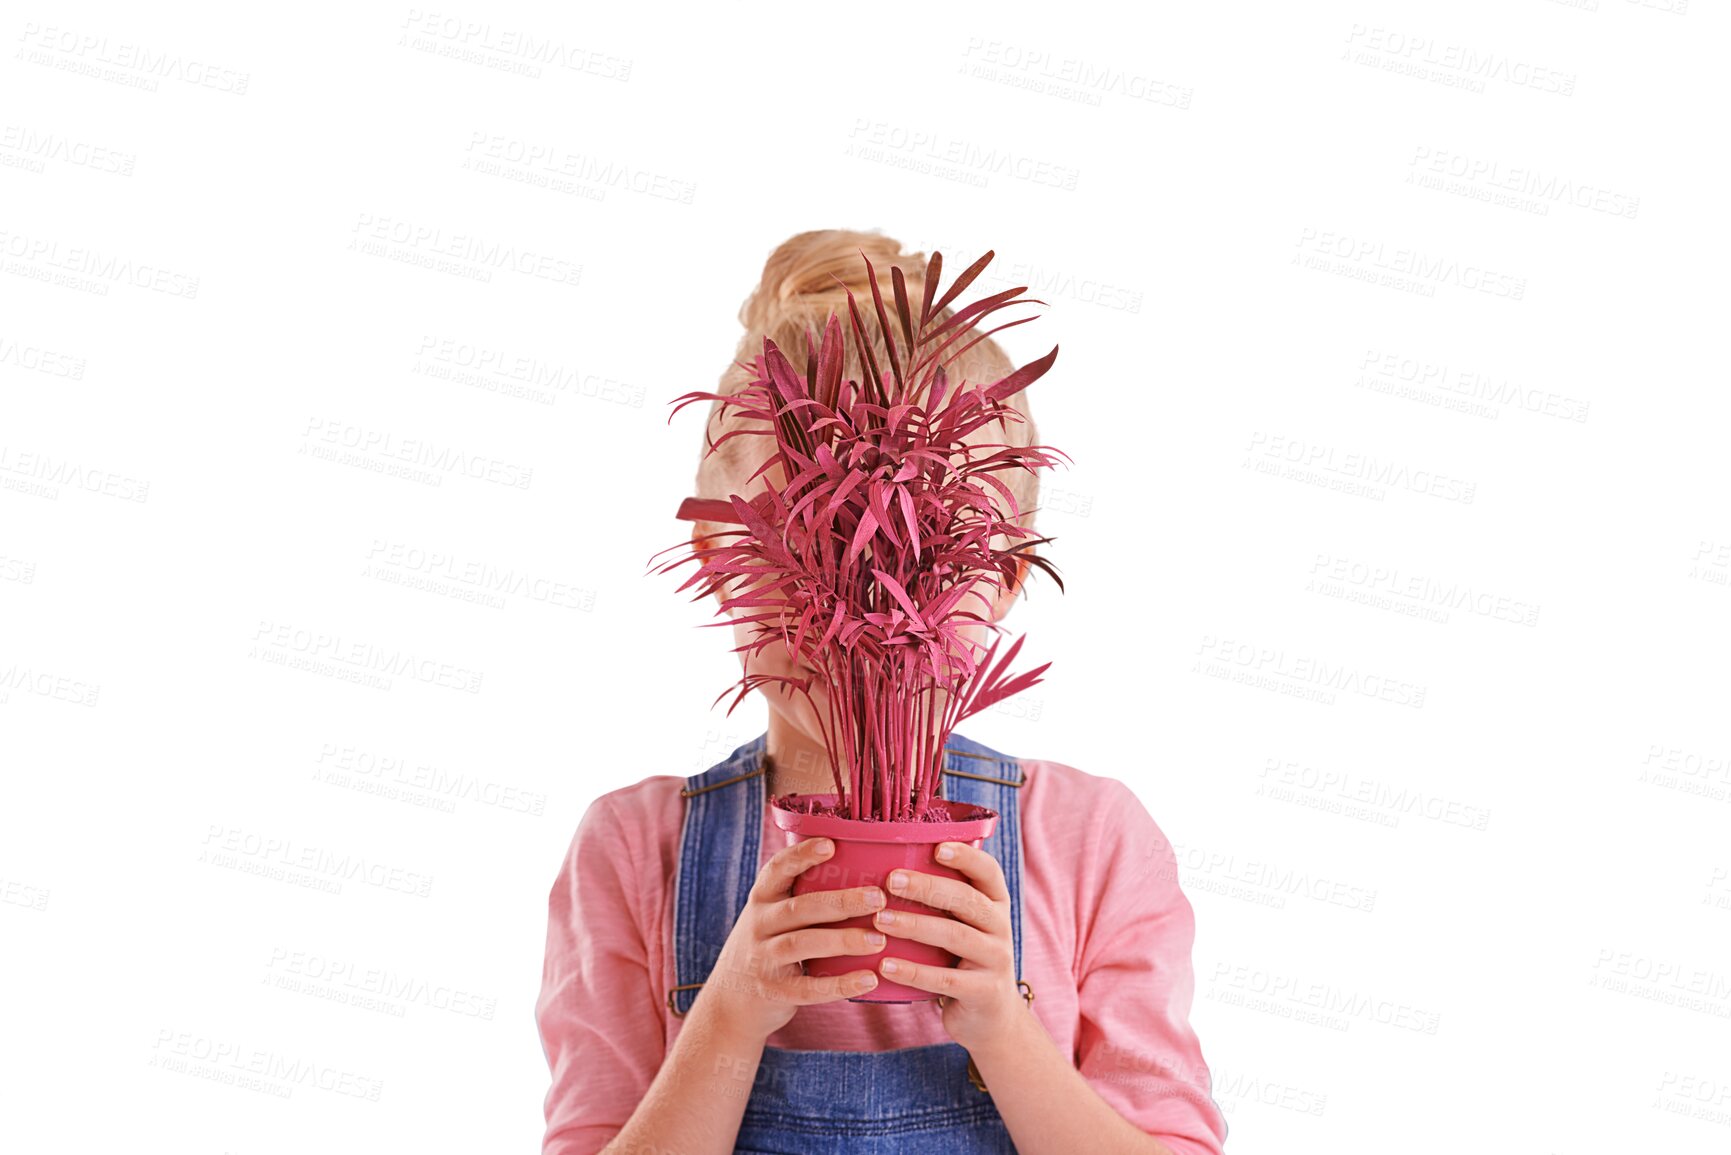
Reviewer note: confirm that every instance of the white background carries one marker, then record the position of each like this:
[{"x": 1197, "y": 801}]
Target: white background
[{"x": 1396, "y": 547}]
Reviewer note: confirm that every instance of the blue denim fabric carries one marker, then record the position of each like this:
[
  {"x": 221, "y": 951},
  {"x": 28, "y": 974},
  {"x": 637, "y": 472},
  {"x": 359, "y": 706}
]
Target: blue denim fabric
[{"x": 915, "y": 1100}]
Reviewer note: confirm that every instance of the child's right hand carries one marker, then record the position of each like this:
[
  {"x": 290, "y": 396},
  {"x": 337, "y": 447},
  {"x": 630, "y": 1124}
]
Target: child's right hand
[{"x": 757, "y": 983}]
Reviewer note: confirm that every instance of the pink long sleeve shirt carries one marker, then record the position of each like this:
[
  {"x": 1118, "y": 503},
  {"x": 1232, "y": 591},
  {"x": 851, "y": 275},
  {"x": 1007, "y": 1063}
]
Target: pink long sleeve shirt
[{"x": 1106, "y": 939}]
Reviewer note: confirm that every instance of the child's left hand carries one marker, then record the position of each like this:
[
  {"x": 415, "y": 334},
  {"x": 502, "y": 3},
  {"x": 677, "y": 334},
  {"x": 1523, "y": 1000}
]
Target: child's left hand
[{"x": 980, "y": 992}]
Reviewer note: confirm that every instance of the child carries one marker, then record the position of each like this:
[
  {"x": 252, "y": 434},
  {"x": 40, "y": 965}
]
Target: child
[{"x": 673, "y": 1009}]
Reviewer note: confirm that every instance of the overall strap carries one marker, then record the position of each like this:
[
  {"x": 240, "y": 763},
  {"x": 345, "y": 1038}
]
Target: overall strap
[
  {"x": 718, "y": 855},
  {"x": 722, "y": 838},
  {"x": 974, "y": 772}
]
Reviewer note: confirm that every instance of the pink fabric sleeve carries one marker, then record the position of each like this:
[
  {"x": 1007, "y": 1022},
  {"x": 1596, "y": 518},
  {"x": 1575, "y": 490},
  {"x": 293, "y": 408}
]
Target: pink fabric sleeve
[
  {"x": 1135, "y": 984},
  {"x": 596, "y": 1012}
]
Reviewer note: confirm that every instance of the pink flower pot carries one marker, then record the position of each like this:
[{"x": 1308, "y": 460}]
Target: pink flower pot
[{"x": 865, "y": 853}]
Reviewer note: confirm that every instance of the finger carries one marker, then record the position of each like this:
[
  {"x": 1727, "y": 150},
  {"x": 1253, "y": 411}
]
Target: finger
[
  {"x": 823, "y": 942},
  {"x": 957, "y": 937},
  {"x": 947, "y": 981},
  {"x": 809, "y": 989},
  {"x": 961, "y": 899},
  {"x": 775, "y": 879},
  {"x": 981, "y": 869},
  {"x": 815, "y": 906}
]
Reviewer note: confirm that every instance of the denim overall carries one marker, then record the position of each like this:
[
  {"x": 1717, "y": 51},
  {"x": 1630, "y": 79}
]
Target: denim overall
[{"x": 915, "y": 1100}]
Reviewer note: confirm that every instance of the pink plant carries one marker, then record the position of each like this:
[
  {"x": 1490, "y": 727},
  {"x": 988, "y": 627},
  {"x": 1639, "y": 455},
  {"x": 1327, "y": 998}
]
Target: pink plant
[{"x": 867, "y": 560}]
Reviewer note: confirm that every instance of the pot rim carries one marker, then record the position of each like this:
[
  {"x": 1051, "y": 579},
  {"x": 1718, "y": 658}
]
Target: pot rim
[{"x": 976, "y": 822}]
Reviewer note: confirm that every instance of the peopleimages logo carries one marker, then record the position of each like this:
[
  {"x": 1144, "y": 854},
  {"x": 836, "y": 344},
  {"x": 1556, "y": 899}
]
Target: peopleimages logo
[
  {"x": 47, "y": 473},
  {"x": 43, "y": 683},
  {"x": 371, "y": 988},
  {"x": 225, "y": 845},
  {"x": 1539, "y": 188},
  {"x": 441, "y": 459},
  {"x": 256, "y": 1068},
  {"x": 320, "y": 652},
  {"x": 1273, "y": 668},
  {"x": 87, "y": 53},
  {"x": 1373, "y": 256},
  {"x": 1352, "y": 466},
  {"x": 1423, "y": 56},
  {"x": 1373, "y": 794},
  {"x": 1287, "y": 994},
  {"x": 1468, "y": 383}
]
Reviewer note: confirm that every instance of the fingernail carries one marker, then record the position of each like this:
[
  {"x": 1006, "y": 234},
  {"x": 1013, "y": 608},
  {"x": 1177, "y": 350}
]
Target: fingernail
[
  {"x": 898, "y": 880},
  {"x": 891, "y": 966},
  {"x": 886, "y": 916},
  {"x": 875, "y": 897},
  {"x": 823, "y": 846},
  {"x": 946, "y": 852},
  {"x": 873, "y": 938},
  {"x": 867, "y": 982}
]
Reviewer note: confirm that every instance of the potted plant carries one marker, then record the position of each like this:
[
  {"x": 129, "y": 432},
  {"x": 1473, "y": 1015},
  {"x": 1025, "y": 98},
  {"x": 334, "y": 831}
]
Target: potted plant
[{"x": 871, "y": 558}]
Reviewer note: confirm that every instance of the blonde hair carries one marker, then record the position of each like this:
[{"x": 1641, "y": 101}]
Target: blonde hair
[{"x": 797, "y": 291}]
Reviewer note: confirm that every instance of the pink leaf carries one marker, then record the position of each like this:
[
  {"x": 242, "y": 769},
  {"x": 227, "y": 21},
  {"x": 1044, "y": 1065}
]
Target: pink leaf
[
  {"x": 867, "y": 526},
  {"x": 908, "y": 517},
  {"x": 898, "y": 593}
]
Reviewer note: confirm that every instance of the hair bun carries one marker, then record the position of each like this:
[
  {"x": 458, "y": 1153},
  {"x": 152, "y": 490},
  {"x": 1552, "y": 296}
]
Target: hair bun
[
  {"x": 799, "y": 278},
  {"x": 799, "y": 289}
]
